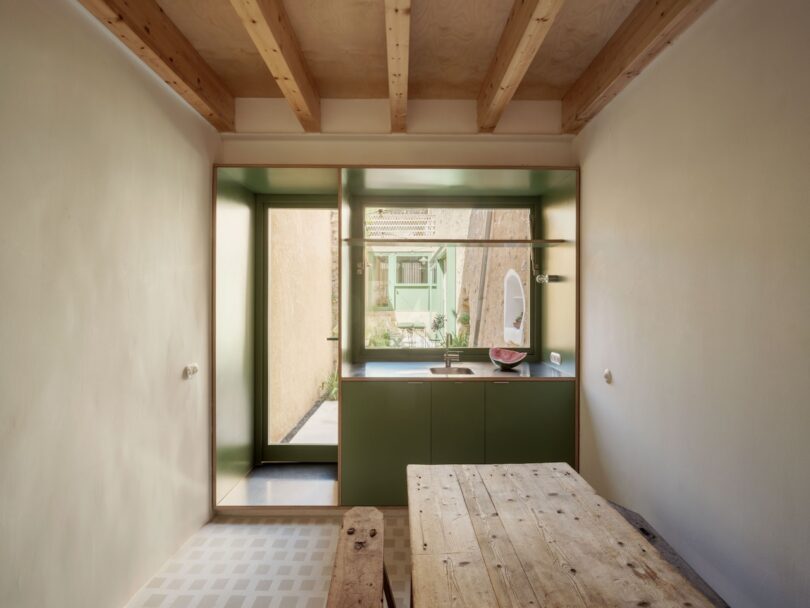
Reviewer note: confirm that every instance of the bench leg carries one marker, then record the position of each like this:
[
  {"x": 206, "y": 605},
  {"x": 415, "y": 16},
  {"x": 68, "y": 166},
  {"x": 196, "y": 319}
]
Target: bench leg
[{"x": 389, "y": 595}]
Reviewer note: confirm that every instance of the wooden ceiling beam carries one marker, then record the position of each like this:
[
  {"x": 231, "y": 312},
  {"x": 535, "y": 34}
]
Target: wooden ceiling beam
[
  {"x": 648, "y": 30},
  {"x": 267, "y": 25},
  {"x": 397, "y": 40},
  {"x": 151, "y": 35},
  {"x": 526, "y": 28}
]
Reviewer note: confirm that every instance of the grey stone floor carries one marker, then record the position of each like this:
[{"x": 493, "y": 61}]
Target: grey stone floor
[{"x": 286, "y": 484}]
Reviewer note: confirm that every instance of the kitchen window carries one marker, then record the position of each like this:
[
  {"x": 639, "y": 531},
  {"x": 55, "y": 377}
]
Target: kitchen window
[{"x": 434, "y": 274}]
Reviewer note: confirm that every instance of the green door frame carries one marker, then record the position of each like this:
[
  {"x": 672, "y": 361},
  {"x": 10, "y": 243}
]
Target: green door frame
[{"x": 263, "y": 450}]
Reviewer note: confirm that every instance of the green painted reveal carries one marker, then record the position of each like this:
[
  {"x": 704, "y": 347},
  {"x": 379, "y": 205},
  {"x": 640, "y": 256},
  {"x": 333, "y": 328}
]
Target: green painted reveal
[
  {"x": 281, "y": 180},
  {"x": 234, "y": 335}
]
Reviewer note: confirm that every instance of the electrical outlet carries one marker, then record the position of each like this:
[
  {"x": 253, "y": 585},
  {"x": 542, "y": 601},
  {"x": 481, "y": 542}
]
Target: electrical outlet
[{"x": 555, "y": 358}]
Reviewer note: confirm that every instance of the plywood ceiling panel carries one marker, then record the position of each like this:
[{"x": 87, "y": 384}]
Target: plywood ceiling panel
[
  {"x": 343, "y": 43},
  {"x": 214, "y": 29},
  {"x": 579, "y": 32},
  {"x": 452, "y": 44}
]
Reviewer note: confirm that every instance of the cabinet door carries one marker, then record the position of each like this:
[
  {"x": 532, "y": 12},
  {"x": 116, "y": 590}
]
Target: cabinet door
[
  {"x": 530, "y": 422},
  {"x": 385, "y": 426},
  {"x": 457, "y": 422}
]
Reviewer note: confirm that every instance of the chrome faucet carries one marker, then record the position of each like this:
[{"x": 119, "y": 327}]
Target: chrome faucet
[{"x": 450, "y": 356}]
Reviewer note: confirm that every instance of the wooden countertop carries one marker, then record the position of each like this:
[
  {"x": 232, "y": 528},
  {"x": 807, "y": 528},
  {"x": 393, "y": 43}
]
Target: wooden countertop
[{"x": 420, "y": 370}]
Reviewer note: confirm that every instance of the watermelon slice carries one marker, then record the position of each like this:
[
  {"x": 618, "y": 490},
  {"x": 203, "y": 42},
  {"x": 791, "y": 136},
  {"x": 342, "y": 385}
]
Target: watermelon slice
[{"x": 505, "y": 358}]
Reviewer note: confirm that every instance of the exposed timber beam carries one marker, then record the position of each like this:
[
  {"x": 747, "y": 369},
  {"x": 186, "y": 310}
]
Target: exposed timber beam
[
  {"x": 267, "y": 25},
  {"x": 397, "y": 38},
  {"x": 151, "y": 35},
  {"x": 649, "y": 29},
  {"x": 527, "y": 27}
]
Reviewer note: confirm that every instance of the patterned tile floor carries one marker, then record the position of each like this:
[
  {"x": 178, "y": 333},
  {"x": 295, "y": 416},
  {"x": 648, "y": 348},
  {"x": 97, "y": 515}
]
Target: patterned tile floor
[
  {"x": 267, "y": 562},
  {"x": 286, "y": 562}
]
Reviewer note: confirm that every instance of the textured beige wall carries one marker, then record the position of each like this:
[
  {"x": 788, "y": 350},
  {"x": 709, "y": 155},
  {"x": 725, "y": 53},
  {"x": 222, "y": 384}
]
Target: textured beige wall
[
  {"x": 104, "y": 297},
  {"x": 696, "y": 293},
  {"x": 300, "y": 314}
]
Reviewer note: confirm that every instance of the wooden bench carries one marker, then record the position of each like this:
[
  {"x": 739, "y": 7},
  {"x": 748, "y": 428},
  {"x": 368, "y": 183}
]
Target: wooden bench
[{"x": 359, "y": 578}]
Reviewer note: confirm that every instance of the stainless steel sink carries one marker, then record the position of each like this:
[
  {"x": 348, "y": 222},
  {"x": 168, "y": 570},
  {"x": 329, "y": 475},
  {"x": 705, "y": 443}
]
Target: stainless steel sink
[{"x": 451, "y": 371}]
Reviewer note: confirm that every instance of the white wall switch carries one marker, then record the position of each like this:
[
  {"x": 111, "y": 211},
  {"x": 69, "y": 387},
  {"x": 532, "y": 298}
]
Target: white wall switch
[{"x": 555, "y": 358}]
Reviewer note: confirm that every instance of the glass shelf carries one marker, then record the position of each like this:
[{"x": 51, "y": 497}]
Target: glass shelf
[{"x": 459, "y": 242}]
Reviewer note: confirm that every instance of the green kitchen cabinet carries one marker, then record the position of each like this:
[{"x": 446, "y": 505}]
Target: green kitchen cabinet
[
  {"x": 457, "y": 422},
  {"x": 530, "y": 422},
  {"x": 385, "y": 426}
]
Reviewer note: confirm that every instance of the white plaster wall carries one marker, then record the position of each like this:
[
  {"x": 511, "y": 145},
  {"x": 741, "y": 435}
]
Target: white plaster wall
[
  {"x": 398, "y": 149},
  {"x": 425, "y": 116},
  {"x": 104, "y": 297},
  {"x": 696, "y": 293},
  {"x": 357, "y": 132}
]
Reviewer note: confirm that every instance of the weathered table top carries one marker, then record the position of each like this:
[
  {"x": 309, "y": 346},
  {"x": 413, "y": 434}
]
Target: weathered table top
[{"x": 534, "y": 535}]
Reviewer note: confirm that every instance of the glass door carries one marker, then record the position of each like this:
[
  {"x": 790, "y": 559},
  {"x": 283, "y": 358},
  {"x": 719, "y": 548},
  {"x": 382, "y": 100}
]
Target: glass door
[{"x": 299, "y": 417}]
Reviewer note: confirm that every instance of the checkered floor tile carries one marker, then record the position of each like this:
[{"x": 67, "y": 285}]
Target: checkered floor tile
[{"x": 267, "y": 562}]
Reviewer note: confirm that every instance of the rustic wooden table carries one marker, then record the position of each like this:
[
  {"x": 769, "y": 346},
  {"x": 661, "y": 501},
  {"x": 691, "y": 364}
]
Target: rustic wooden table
[{"x": 534, "y": 535}]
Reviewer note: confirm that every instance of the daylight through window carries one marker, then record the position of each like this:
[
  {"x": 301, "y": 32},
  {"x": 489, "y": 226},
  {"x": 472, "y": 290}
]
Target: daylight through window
[{"x": 420, "y": 294}]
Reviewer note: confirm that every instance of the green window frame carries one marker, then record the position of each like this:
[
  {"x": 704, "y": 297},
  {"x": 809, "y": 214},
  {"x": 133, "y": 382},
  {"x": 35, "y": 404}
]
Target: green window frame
[{"x": 360, "y": 352}]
